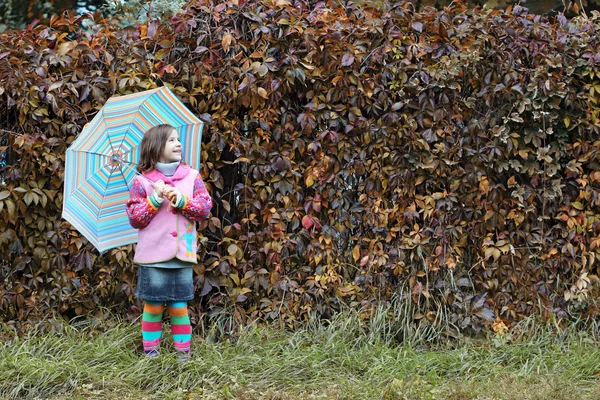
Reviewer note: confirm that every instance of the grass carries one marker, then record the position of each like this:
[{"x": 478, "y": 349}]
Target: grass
[{"x": 341, "y": 359}]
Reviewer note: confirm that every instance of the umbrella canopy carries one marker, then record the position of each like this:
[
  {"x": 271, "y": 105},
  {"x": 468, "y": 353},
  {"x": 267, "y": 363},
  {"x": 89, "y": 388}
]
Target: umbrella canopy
[{"x": 100, "y": 164}]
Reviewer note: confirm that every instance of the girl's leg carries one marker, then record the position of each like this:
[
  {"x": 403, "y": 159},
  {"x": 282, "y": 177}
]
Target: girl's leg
[
  {"x": 180, "y": 326},
  {"x": 151, "y": 326}
]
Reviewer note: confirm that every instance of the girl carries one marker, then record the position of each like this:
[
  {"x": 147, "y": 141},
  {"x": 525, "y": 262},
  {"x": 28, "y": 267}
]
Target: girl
[{"x": 166, "y": 249}]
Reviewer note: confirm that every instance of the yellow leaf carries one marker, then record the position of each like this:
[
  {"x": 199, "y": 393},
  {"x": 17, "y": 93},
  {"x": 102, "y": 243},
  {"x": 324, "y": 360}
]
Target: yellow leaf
[
  {"x": 496, "y": 253},
  {"x": 484, "y": 185},
  {"x": 226, "y": 42},
  {"x": 356, "y": 253},
  {"x": 66, "y": 47},
  {"x": 489, "y": 252},
  {"x": 235, "y": 278},
  {"x": 165, "y": 44},
  {"x": 162, "y": 53},
  {"x": 309, "y": 181},
  {"x": 262, "y": 93},
  {"x": 499, "y": 326},
  {"x": 524, "y": 154},
  {"x": 226, "y": 205},
  {"x": 567, "y": 121},
  {"x": 318, "y": 259},
  {"x": 10, "y": 206}
]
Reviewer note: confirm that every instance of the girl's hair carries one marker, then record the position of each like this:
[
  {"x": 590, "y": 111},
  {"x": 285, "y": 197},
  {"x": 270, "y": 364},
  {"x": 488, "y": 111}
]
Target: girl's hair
[{"x": 153, "y": 145}]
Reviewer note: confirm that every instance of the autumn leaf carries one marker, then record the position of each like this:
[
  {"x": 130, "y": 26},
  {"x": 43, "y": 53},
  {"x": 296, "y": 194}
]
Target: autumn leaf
[
  {"x": 356, "y": 253},
  {"x": 66, "y": 47},
  {"x": 347, "y": 60},
  {"x": 307, "y": 222},
  {"x": 262, "y": 93},
  {"x": 226, "y": 42}
]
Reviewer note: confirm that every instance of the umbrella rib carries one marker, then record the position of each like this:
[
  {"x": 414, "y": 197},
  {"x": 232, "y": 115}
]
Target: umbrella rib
[
  {"x": 123, "y": 174},
  {"x": 105, "y": 188},
  {"x": 108, "y": 136},
  {"x": 121, "y": 164},
  {"x": 130, "y": 165},
  {"x": 111, "y": 144},
  {"x": 91, "y": 152},
  {"x": 127, "y": 162},
  {"x": 136, "y": 113}
]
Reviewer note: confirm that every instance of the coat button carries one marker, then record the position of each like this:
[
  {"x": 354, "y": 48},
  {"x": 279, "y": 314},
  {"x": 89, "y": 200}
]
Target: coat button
[{"x": 174, "y": 234}]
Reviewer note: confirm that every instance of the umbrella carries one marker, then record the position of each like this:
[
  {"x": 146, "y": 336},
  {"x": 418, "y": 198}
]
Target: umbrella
[{"x": 100, "y": 164}]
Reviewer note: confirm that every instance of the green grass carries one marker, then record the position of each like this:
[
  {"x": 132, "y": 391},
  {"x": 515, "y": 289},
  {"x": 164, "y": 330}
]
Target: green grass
[{"x": 342, "y": 359}]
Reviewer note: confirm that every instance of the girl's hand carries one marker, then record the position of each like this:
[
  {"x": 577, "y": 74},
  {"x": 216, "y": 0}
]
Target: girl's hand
[
  {"x": 159, "y": 188},
  {"x": 171, "y": 193},
  {"x": 176, "y": 198}
]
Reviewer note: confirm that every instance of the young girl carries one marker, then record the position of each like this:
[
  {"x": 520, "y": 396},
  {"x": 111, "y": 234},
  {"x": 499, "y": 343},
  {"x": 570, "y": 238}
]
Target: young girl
[{"x": 166, "y": 249}]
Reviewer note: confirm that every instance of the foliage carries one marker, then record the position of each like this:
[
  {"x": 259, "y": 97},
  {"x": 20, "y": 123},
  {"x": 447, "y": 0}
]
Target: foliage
[{"x": 351, "y": 151}]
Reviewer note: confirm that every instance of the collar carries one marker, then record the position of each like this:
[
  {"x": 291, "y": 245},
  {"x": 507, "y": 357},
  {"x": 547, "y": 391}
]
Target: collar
[
  {"x": 155, "y": 175},
  {"x": 167, "y": 169}
]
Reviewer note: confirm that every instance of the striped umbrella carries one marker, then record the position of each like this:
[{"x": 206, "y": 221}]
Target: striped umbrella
[{"x": 101, "y": 162}]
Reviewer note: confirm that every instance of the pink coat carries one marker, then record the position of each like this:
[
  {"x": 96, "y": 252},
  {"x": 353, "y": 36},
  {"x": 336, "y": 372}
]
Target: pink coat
[{"x": 164, "y": 235}]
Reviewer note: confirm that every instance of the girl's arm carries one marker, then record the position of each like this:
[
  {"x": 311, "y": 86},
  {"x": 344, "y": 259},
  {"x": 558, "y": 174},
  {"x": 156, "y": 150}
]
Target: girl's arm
[
  {"x": 141, "y": 208},
  {"x": 198, "y": 207}
]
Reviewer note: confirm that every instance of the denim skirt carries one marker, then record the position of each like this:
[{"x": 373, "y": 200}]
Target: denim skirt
[{"x": 165, "y": 284}]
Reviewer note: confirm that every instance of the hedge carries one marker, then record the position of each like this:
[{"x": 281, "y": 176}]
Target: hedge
[{"x": 352, "y": 153}]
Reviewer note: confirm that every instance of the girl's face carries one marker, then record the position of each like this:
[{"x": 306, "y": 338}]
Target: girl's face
[{"x": 172, "y": 151}]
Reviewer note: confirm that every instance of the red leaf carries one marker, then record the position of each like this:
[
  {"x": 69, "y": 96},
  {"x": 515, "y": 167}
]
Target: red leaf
[{"x": 307, "y": 222}]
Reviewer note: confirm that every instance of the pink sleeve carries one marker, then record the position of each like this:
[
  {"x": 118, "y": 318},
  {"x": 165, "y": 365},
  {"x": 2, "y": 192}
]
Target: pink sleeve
[
  {"x": 198, "y": 207},
  {"x": 139, "y": 208}
]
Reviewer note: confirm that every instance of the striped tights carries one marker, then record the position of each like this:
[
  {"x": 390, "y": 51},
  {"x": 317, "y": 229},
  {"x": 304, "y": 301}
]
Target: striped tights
[{"x": 181, "y": 328}]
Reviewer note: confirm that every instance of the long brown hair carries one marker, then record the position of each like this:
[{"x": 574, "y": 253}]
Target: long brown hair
[{"x": 152, "y": 147}]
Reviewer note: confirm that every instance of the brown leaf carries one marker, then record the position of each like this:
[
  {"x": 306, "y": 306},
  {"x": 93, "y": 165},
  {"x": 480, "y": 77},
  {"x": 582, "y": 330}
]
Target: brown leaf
[
  {"x": 226, "y": 42},
  {"x": 262, "y": 93},
  {"x": 356, "y": 253}
]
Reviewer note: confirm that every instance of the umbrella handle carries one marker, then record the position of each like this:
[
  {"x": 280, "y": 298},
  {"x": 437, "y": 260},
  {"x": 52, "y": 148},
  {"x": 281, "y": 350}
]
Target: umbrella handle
[{"x": 172, "y": 198}]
